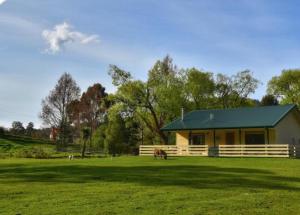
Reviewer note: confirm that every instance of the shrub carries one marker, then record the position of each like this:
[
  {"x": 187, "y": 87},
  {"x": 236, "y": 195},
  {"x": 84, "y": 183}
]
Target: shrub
[
  {"x": 37, "y": 153},
  {"x": 2, "y": 131}
]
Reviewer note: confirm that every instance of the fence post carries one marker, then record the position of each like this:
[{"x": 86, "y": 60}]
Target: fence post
[{"x": 266, "y": 150}]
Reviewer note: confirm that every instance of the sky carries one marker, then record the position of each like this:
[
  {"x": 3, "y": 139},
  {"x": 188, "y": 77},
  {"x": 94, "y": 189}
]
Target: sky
[{"x": 40, "y": 40}]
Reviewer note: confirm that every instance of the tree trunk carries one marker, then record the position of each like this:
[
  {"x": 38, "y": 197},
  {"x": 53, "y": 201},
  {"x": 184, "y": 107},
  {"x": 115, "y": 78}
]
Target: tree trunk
[{"x": 83, "y": 149}]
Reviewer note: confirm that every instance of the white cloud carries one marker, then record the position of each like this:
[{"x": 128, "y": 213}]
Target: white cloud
[
  {"x": 63, "y": 34},
  {"x": 2, "y": 1}
]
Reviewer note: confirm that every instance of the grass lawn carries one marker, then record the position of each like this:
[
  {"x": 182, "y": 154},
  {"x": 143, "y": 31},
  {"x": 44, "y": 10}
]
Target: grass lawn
[{"x": 142, "y": 185}]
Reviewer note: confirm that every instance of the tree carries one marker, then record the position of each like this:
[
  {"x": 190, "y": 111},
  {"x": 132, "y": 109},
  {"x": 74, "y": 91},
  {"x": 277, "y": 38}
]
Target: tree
[
  {"x": 153, "y": 102},
  {"x": 93, "y": 106},
  {"x": 54, "y": 106},
  {"x": 286, "y": 87},
  {"x": 86, "y": 133},
  {"x": 200, "y": 88},
  {"x": 89, "y": 111},
  {"x": 269, "y": 100},
  {"x": 29, "y": 129},
  {"x": 17, "y": 128},
  {"x": 234, "y": 91}
]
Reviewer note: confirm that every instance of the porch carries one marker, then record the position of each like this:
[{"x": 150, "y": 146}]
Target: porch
[
  {"x": 238, "y": 142},
  {"x": 237, "y": 136}
]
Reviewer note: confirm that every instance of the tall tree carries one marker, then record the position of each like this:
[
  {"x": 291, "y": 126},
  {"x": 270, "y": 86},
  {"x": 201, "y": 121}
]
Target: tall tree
[
  {"x": 90, "y": 110},
  {"x": 93, "y": 106},
  {"x": 286, "y": 87},
  {"x": 54, "y": 106}
]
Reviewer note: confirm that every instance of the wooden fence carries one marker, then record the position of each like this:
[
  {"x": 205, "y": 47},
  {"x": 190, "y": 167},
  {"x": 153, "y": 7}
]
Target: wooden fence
[
  {"x": 279, "y": 150},
  {"x": 148, "y": 150},
  {"x": 173, "y": 150}
]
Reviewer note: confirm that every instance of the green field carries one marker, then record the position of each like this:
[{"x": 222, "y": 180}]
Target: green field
[{"x": 142, "y": 185}]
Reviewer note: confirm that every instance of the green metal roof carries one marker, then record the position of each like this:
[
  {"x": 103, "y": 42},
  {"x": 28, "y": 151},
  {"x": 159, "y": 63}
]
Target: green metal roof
[{"x": 250, "y": 117}]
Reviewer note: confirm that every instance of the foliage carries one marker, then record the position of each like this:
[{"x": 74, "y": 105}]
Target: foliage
[
  {"x": 233, "y": 91},
  {"x": 118, "y": 75},
  {"x": 17, "y": 128},
  {"x": 153, "y": 102},
  {"x": 269, "y": 100},
  {"x": 86, "y": 134},
  {"x": 29, "y": 129},
  {"x": 200, "y": 88},
  {"x": 116, "y": 135},
  {"x": 99, "y": 137},
  {"x": 90, "y": 110},
  {"x": 2, "y": 131},
  {"x": 54, "y": 106},
  {"x": 34, "y": 152},
  {"x": 286, "y": 87}
]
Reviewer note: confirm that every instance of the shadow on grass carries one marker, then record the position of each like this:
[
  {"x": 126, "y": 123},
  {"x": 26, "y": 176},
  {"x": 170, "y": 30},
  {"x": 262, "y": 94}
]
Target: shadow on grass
[{"x": 198, "y": 177}]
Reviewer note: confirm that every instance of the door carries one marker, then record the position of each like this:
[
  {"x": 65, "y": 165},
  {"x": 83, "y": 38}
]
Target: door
[
  {"x": 230, "y": 138},
  {"x": 254, "y": 138}
]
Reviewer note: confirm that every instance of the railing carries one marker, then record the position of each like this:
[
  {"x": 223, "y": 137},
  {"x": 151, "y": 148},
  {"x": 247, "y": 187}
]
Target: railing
[
  {"x": 173, "y": 150},
  {"x": 198, "y": 150},
  {"x": 279, "y": 150},
  {"x": 148, "y": 150}
]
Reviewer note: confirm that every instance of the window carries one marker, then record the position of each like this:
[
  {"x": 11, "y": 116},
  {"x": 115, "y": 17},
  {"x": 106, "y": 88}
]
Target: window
[
  {"x": 254, "y": 138},
  {"x": 198, "y": 139}
]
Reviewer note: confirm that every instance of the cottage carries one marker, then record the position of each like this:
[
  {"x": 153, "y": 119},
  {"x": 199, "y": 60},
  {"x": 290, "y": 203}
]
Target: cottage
[{"x": 251, "y": 131}]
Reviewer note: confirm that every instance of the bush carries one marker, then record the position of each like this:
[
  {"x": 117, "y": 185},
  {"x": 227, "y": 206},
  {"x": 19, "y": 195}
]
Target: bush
[
  {"x": 37, "y": 153},
  {"x": 2, "y": 131}
]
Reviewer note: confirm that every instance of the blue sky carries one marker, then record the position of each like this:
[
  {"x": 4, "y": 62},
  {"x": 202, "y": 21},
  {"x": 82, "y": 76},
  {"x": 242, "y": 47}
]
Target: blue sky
[{"x": 39, "y": 40}]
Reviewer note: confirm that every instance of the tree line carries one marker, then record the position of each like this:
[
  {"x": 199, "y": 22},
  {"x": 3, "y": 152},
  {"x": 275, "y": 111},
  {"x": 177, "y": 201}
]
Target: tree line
[
  {"x": 118, "y": 122},
  {"x": 18, "y": 129}
]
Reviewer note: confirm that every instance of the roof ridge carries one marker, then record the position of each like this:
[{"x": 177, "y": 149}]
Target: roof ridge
[{"x": 214, "y": 109}]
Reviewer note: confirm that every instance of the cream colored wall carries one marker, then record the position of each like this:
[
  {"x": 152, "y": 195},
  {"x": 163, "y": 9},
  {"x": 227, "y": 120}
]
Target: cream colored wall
[
  {"x": 182, "y": 138},
  {"x": 288, "y": 129}
]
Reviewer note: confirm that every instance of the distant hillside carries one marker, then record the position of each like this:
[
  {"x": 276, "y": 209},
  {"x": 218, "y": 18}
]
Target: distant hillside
[{"x": 10, "y": 144}]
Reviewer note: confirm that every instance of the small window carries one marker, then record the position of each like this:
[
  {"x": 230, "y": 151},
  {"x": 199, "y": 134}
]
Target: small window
[
  {"x": 253, "y": 138},
  {"x": 198, "y": 139}
]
